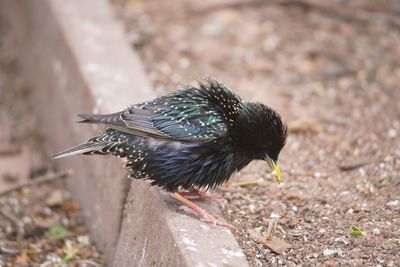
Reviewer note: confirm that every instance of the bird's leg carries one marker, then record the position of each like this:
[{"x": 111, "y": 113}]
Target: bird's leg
[
  {"x": 200, "y": 211},
  {"x": 203, "y": 195},
  {"x": 195, "y": 193}
]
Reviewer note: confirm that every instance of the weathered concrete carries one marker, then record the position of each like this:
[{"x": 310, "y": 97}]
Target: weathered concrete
[
  {"x": 15, "y": 164},
  {"x": 75, "y": 56},
  {"x": 69, "y": 55},
  {"x": 180, "y": 240}
]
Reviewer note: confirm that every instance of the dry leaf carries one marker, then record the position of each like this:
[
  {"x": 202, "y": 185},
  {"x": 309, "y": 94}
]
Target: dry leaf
[
  {"x": 330, "y": 263},
  {"x": 293, "y": 197},
  {"x": 277, "y": 245},
  {"x": 274, "y": 244},
  {"x": 46, "y": 222},
  {"x": 256, "y": 234},
  {"x": 71, "y": 206},
  {"x": 22, "y": 259},
  {"x": 56, "y": 198}
]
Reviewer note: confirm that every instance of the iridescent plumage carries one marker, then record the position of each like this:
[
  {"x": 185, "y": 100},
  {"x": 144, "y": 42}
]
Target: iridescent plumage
[{"x": 194, "y": 138}]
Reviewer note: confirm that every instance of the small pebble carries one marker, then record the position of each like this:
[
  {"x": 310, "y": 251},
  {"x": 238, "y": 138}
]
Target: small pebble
[
  {"x": 376, "y": 231},
  {"x": 329, "y": 252},
  {"x": 83, "y": 240},
  {"x": 392, "y": 133},
  {"x": 211, "y": 29},
  {"x": 65, "y": 221},
  {"x": 46, "y": 210},
  {"x": 380, "y": 260},
  {"x": 362, "y": 172},
  {"x": 342, "y": 239},
  {"x": 350, "y": 211},
  {"x": 274, "y": 216},
  {"x": 184, "y": 63},
  {"x": 393, "y": 203},
  {"x": 295, "y": 233},
  {"x": 26, "y": 220},
  {"x": 317, "y": 175},
  {"x": 252, "y": 208},
  {"x": 9, "y": 229}
]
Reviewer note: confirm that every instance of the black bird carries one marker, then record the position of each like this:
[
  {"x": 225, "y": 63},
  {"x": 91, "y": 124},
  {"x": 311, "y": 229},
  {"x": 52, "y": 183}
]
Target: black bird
[{"x": 192, "y": 139}]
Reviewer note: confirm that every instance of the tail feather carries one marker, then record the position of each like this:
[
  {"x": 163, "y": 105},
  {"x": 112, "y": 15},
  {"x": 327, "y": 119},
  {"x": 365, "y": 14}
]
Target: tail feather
[
  {"x": 113, "y": 119},
  {"x": 79, "y": 149}
]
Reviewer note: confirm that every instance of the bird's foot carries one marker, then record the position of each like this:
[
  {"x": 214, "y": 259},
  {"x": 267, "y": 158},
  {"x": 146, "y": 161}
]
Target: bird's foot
[
  {"x": 202, "y": 213},
  {"x": 207, "y": 217}
]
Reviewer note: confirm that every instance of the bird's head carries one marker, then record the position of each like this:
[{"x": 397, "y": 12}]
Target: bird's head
[{"x": 259, "y": 133}]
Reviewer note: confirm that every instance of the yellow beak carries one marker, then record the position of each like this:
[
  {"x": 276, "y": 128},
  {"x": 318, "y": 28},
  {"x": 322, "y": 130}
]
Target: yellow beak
[{"x": 275, "y": 169}]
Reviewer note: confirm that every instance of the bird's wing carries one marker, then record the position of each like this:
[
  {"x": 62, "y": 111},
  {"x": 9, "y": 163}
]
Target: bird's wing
[
  {"x": 184, "y": 115},
  {"x": 190, "y": 114}
]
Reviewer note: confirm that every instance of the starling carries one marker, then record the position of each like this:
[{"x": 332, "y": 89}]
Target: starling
[{"x": 192, "y": 139}]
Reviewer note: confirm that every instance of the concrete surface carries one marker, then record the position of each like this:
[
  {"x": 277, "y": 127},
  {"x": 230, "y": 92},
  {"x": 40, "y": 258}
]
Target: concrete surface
[
  {"x": 75, "y": 55},
  {"x": 15, "y": 164},
  {"x": 179, "y": 239}
]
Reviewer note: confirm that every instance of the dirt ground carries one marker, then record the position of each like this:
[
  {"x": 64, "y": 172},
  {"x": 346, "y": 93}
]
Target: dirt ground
[
  {"x": 332, "y": 69},
  {"x": 40, "y": 223}
]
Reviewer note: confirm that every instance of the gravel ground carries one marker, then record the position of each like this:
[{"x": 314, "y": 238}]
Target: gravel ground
[
  {"x": 333, "y": 72},
  {"x": 40, "y": 224}
]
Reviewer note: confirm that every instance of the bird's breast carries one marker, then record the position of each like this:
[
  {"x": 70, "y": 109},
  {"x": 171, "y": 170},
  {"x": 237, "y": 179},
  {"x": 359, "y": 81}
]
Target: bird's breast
[{"x": 190, "y": 164}]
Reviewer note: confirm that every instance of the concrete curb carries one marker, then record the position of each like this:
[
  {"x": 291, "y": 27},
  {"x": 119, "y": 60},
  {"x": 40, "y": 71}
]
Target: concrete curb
[{"x": 75, "y": 56}]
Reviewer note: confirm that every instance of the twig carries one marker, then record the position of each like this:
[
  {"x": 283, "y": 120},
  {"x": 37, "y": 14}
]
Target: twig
[
  {"x": 271, "y": 229},
  {"x": 15, "y": 221},
  {"x": 9, "y": 216},
  {"x": 9, "y": 247},
  {"x": 87, "y": 263},
  {"x": 36, "y": 181},
  {"x": 353, "y": 164}
]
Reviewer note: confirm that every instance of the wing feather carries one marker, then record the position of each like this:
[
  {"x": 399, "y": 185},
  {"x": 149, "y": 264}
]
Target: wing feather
[{"x": 190, "y": 114}]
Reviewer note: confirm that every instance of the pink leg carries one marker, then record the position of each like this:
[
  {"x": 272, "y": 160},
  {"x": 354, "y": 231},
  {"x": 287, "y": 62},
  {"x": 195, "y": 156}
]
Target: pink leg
[
  {"x": 203, "y": 195},
  {"x": 200, "y": 212}
]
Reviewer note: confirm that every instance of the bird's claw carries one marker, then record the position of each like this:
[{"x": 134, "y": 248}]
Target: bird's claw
[
  {"x": 202, "y": 213},
  {"x": 188, "y": 210},
  {"x": 207, "y": 217}
]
